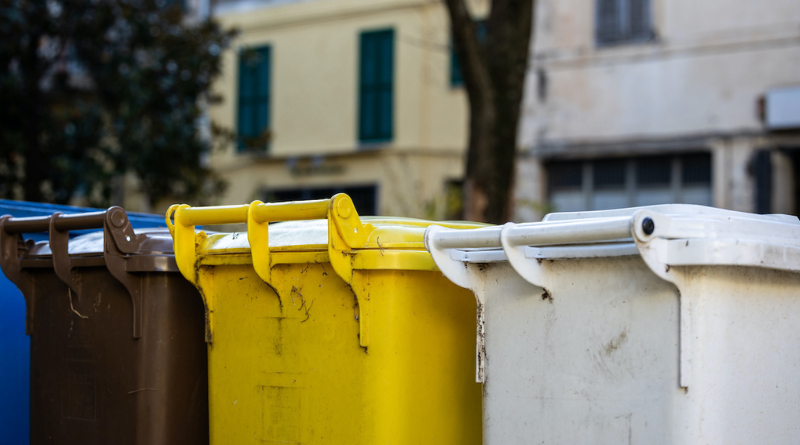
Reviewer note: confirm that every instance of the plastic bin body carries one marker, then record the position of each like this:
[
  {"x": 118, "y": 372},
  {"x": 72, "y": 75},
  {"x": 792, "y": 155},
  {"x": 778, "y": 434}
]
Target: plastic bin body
[
  {"x": 95, "y": 377},
  {"x": 14, "y": 344},
  {"x": 15, "y": 372},
  {"x": 606, "y": 351},
  {"x": 289, "y": 357}
]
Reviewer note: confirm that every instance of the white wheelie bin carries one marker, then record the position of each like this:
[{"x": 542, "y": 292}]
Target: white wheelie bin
[{"x": 672, "y": 324}]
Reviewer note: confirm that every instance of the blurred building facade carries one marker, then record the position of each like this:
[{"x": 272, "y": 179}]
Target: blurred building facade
[
  {"x": 346, "y": 96},
  {"x": 638, "y": 102},
  {"x": 628, "y": 102}
]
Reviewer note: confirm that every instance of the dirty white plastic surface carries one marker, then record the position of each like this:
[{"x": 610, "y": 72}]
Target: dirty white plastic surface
[{"x": 668, "y": 324}]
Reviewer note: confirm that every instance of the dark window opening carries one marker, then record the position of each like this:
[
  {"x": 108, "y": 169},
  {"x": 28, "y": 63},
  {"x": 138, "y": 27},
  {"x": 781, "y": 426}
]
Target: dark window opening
[
  {"x": 654, "y": 171},
  {"x": 621, "y": 21},
  {"x": 603, "y": 184},
  {"x": 794, "y": 155},
  {"x": 696, "y": 169},
  {"x": 364, "y": 197},
  {"x": 762, "y": 172},
  {"x": 454, "y": 205},
  {"x": 565, "y": 175},
  {"x": 609, "y": 174}
]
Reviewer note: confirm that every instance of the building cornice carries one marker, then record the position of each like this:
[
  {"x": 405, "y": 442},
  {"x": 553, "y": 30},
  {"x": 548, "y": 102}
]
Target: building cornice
[{"x": 632, "y": 145}]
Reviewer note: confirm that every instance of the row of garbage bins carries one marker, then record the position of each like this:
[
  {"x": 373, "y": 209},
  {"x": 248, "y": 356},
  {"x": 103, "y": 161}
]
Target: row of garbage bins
[{"x": 671, "y": 324}]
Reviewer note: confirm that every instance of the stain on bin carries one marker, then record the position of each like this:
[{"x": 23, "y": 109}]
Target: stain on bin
[{"x": 615, "y": 343}]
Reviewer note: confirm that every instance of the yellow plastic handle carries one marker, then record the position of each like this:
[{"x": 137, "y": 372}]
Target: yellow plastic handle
[
  {"x": 291, "y": 211},
  {"x": 345, "y": 233},
  {"x": 196, "y": 216},
  {"x": 261, "y": 214},
  {"x": 264, "y": 212}
]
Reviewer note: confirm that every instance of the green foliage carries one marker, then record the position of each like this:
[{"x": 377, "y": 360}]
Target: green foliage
[{"x": 92, "y": 90}]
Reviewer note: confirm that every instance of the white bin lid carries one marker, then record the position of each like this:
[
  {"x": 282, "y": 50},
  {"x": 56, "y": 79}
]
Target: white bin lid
[{"x": 664, "y": 235}]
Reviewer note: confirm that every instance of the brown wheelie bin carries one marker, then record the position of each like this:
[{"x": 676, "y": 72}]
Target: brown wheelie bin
[{"x": 117, "y": 334}]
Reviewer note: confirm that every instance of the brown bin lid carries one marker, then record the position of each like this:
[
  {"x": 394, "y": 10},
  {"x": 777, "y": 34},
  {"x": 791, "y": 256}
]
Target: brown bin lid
[{"x": 118, "y": 247}]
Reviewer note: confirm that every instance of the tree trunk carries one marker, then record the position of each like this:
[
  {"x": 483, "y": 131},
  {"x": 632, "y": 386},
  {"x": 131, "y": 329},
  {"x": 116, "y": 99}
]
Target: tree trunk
[{"x": 494, "y": 77}]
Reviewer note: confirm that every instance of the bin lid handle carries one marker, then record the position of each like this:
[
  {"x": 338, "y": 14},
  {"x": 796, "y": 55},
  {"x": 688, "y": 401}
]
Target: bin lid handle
[
  {"x": 119, "y": 240},
  {"x": 346, "y": 231}
]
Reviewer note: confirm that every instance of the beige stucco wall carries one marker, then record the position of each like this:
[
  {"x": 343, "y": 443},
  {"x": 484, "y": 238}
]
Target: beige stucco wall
[{"x": 314, "y": 99}]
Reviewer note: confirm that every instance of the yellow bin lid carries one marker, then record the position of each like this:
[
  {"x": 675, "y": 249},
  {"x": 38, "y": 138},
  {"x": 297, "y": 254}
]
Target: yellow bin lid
[
  {"x": 338, "y": 236},
  {"x": 326, "y": 230}
]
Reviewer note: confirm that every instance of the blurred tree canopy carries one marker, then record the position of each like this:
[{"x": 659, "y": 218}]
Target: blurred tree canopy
[{"x": 92, "y": 90}]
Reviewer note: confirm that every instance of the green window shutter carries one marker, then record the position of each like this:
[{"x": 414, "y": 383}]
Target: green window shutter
[
  {"x": 376, "y": 86},
  {"x": 254, "y": 96}
]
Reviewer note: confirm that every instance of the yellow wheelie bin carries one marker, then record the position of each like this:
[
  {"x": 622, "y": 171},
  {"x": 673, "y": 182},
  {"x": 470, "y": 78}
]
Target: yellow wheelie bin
[{"x": 329, "y": 329}]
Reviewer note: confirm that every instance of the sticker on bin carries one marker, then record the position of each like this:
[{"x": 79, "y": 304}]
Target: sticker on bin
[
  {"x": 593, "y": 325},
  {"x": 323, "y": 326}
]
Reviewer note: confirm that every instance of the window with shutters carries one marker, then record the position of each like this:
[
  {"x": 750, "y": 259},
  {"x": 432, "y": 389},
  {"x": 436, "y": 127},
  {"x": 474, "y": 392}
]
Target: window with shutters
[
  {"x": 376, "y": 85},
  {"x": 253, "y": 107},
  {"x": 622, "y": 21}
]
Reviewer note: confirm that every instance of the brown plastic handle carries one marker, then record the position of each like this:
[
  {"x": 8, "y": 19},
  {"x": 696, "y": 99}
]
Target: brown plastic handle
[
  {"x": 119, "y": 239},
  {"x": 63, "y": 223},
  {"x": 115, "y": 220}
]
